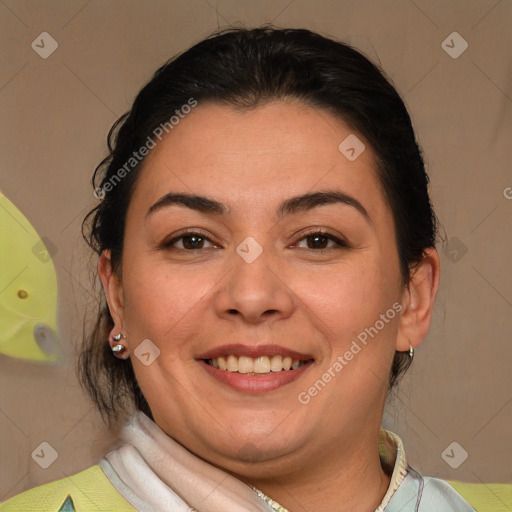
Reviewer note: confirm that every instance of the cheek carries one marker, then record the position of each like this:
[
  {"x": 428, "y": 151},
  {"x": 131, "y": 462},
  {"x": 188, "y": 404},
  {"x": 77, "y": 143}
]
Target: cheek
[
  {"x": 353, "y": 309},
  {"x": 348, "y": 298},
  {"x": 345, "y": 305},
  {"x": 160, "y": 300}
]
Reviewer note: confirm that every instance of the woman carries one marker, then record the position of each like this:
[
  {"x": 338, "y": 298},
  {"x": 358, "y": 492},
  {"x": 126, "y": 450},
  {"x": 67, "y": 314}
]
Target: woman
[{"x": 267, "y": 251}]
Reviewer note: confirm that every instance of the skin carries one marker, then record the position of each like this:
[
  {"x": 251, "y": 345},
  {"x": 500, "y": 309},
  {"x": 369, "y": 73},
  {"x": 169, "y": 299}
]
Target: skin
[{"x": 322, "y": 455}]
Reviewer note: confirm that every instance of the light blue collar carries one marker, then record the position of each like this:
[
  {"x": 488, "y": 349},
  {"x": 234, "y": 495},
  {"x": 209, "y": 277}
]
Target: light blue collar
[{"x": 426, "y": 494}]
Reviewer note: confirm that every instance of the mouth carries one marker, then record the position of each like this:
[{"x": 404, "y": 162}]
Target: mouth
[
  {"x": 261, "y": 365},
  {"x": 255, "y": 369}
]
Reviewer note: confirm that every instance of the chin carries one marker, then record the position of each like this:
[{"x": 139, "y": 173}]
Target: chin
[
  {"x": 247, "y": 451},
  {"x": 252, "y": 462}
]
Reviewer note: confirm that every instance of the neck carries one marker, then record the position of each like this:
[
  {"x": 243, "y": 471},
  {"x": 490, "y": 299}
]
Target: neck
[{"x": 343, "y": 480}]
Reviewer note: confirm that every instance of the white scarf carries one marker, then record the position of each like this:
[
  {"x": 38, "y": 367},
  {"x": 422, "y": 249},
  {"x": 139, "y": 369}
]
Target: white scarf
[{"x": 195, "y": 483}]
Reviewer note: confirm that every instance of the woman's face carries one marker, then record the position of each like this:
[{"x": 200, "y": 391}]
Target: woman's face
[{"x": 253, "y": 241}]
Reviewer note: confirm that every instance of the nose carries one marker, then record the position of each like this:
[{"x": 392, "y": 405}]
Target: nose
[{"x": 255, "y": 291}]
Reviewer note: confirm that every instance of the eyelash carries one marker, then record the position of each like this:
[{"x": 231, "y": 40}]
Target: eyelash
[{"x": 341, "y": 244}]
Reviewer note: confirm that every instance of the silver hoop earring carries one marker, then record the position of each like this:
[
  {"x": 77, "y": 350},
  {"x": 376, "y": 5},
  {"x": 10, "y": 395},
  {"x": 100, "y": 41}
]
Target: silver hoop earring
[
  {"x": 411, "y": 352},
  {"x": 118, "y": 337}
]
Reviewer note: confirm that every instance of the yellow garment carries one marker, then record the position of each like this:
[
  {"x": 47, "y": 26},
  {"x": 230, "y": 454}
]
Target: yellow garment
[
  {"x": 486, "y": 497},
  {"x": 88, "y": 491}
]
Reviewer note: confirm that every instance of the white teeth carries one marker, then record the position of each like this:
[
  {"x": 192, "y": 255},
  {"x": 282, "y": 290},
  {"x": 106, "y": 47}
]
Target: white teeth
[
  {"x": 259, "y": 365},
  {"x": 276, "y": 363},
  {"x": 262, "y": 365},
  {"x": 245, "y": 364},
  {"x": 232, "y": 364}
]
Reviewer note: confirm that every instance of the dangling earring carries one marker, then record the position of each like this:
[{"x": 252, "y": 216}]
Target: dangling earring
[
  {"x": 119, "y": 350},
  {"x": 411, "y": 352}
]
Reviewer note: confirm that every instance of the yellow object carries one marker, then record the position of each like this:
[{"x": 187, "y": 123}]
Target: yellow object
[
  {"x": 28, "y": 289},
  {"x": 486, "y": 497},
  {"x": 88, "y": 491}
]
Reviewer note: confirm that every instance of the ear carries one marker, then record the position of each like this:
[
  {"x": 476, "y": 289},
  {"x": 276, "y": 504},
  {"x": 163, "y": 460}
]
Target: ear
[
  {"x": 418, "y": 301},
  {"x": 113, "y": 288}
]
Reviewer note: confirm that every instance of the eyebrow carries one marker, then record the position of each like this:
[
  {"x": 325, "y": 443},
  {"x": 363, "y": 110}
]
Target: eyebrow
[{"x": 290, "y": 206}]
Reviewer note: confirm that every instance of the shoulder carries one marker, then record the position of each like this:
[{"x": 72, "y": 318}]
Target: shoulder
[
  {"x": 420, "y": 493},
  {"x": 439, "y": 493},
  {"x": 87, "y": 491},
  {"x": 486, "y": 497}
]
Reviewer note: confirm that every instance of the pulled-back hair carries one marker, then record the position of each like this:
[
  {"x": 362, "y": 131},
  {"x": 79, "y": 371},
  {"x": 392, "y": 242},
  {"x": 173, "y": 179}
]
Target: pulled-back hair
[{"x": 245, "y": 68}]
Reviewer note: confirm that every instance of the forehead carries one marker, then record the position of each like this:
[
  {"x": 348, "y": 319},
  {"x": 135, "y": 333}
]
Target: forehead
[{"x": 258, "y": 156}]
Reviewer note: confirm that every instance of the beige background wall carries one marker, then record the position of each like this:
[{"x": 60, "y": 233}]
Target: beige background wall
[{"x": 54, "y": 117}]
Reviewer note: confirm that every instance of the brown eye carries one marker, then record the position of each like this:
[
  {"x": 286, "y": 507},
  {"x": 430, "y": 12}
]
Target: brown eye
[
  {"x": 189, "y": 241},
  {"x": 321, "y": 240},
  {"x": 317, "y": 242},
  {"x": 193, "y": 242}
]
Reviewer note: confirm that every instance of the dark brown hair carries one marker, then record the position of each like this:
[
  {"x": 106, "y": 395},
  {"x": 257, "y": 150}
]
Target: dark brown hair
[{"x": 245, "y": 68}]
